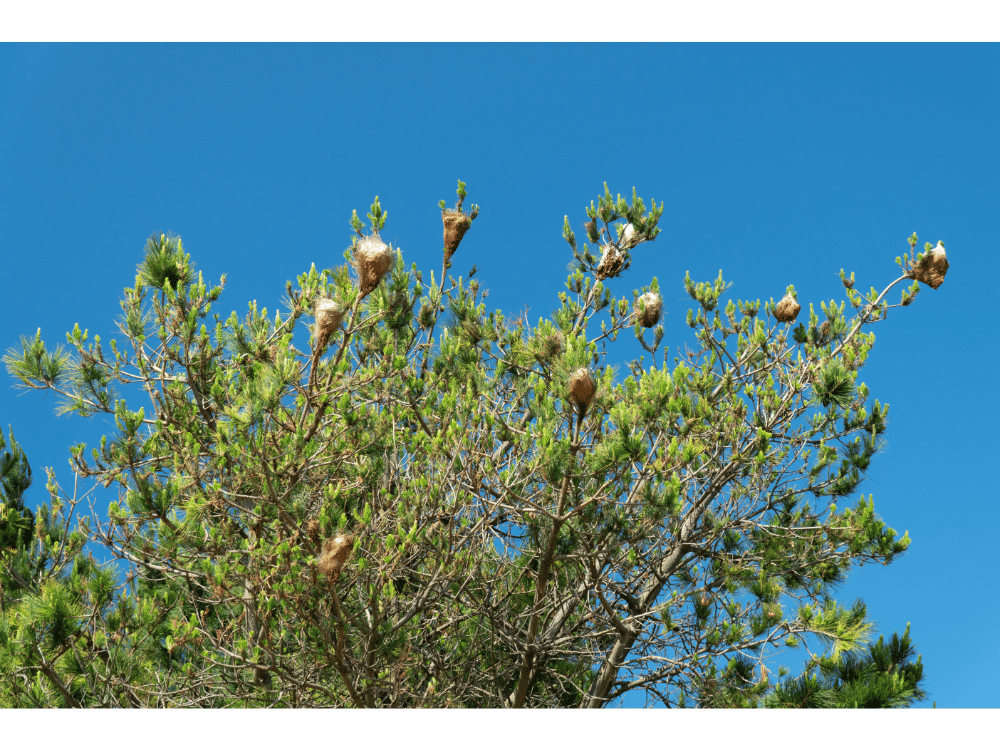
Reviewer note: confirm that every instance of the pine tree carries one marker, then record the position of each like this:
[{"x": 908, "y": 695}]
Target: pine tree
[
  {"x": 388, "y": 496},
  {"x": 882, "y": 675},
  {"x": 44, "y": 576},
  {"x": 17, "y": 522}
]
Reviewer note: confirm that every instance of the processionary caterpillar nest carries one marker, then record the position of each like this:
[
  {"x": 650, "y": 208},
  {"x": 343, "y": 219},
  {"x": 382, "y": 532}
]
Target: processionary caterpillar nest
[
  {"x": 336, "y": 550},
  {"x": 582, "y": 388},
  {"x": 329, "y": 316},
  {"x": 649, "y": 309},
  {"x": 612, "y": 263},
  {"x": 932, "y": 268},
  {"x": 372, "y": 259},
  {"x": 787, "y": 309},
  {"x": 456, "y": 224},
  {"x": 629, "y": 238}
]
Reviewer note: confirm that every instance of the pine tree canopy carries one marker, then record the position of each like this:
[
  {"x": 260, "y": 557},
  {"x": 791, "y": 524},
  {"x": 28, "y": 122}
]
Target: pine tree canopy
[
  {"x": 385, "y": 494},
  {"x": 17, "y": 523}
]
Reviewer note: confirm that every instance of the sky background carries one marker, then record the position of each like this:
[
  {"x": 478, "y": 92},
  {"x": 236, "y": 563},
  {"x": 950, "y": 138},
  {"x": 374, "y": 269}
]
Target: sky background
[{"x": 777, "y": 163}]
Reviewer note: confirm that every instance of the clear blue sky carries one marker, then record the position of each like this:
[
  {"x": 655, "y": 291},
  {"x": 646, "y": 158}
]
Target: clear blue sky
[{"x": 778, "y": 164}]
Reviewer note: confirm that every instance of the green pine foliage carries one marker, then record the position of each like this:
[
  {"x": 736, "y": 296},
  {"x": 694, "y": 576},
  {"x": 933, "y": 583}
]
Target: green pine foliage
[
  {"x": 17, "y": 523},
  {"x": 432, "y": 504},
  {"x": 883, "y": 675},
  {"x": 880, "y": 675}
]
